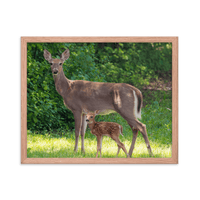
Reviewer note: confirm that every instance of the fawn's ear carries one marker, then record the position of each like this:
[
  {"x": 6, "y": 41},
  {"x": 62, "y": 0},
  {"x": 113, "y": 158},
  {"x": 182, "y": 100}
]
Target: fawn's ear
[
  {"x": 96, "y": 112},
  {"x": 65, "y": 55},
  {"x": 47, "y": 55},
  {"x": 85, "y": 111}
]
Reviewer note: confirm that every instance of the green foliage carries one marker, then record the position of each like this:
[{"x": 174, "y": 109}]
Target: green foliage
[
  {"x": 133, "y": 63},
  {"x": 159, "y": 120},
  {"x": 163, "y": 97}
]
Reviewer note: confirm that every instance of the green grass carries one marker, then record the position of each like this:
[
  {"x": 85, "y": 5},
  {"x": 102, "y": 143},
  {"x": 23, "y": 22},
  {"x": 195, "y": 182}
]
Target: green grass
[{"x": 158, "y": 119}]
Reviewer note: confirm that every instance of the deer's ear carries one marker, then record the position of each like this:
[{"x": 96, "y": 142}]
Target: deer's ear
[
  {"x": 65, "y": 55},
  {"x": 96, "y": 112},
  {"x": 47, "y": 55},
  {"x": 85, "y": 111}
]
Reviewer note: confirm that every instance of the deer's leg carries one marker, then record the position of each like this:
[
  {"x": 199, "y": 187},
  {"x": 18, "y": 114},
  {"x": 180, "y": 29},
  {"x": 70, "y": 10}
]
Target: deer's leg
[
  {"x": 142, "y": 128},
  {"x": 135, "y": 133},
  {"x": 124, "y": 149},
  {"x": 133, "y": 122},
  {"x": 78, "y": 121},
  {"x": 120, "y": 144},
  {"x": 83, "y": 128},
  {"x": 118, "y": 150},
  {"x": 101, "y": 145},
  {"x": 98, "y": 146},
  {"x": 127, "y": 114}
]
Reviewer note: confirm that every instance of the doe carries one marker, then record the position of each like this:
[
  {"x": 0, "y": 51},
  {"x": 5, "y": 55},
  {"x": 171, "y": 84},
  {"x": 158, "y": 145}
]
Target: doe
[
  {"x": 78, "y": 95},
  {"x": 100, "y": 129}
]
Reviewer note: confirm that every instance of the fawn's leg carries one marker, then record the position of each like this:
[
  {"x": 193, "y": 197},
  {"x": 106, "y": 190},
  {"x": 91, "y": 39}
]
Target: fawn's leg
[
  {"x": 98, "y": 145},
  {"x": 116, "y": 139}
]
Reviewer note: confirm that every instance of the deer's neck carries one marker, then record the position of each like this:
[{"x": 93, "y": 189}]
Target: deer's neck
[
  {"x": 91, "y": 126},
  {"x": 61, "y": 82}
]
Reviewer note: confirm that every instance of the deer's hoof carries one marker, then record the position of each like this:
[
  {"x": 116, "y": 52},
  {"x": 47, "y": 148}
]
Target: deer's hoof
[
  {"x": 130, "y": 153},
  {"x": 128, "y": 156}
]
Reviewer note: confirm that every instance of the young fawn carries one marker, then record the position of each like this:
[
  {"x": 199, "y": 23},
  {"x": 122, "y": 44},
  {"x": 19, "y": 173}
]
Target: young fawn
[{"x": 100, "y": 129}]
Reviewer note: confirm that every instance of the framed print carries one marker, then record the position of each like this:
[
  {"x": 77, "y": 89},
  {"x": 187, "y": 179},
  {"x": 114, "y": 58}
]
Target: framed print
[{"x": 99, "y": 100}]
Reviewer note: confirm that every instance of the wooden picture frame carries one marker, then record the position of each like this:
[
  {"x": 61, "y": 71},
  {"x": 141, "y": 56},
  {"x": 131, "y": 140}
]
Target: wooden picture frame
[{"x": 172, "y": 160}]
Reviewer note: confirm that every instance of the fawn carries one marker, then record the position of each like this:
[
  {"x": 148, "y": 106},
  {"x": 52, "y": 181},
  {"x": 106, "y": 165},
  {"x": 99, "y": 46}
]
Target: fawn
[{"x": 100, "y": 129}]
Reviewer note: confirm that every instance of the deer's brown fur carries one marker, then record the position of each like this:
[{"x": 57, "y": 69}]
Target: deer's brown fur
[{"x": 105, "y": 97}]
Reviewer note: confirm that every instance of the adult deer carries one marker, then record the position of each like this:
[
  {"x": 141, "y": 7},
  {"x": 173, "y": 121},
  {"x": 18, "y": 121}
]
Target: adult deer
[{"x": 105, "y": 97}]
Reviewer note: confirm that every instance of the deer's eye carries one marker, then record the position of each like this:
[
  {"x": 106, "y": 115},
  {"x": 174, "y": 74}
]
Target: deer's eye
[
  {"x": 60, "y": 63},
  {"x": 51, "y": 63},
  {"x": 91, "y": 116}
]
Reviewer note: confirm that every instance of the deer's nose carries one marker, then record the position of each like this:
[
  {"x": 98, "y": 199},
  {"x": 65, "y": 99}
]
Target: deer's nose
[
  {"x": 87, "y": 120},
  {"x": 55, "y": 71}
]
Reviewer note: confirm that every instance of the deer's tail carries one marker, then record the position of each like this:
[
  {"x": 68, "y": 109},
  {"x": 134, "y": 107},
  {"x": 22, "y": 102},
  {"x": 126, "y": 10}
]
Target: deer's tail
[
  {"x": 137, "y": 103},
  {"x": 121, "y": 130}
]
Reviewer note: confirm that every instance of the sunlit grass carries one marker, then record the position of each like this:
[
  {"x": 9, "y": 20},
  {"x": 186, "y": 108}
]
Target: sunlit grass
[
  {"x": 158, "y": 120},
  {"x": 48, "y": 146}
]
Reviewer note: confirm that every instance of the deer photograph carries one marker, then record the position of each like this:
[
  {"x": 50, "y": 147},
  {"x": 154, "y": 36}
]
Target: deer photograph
[
  {"x": 100, "y": 129},
  {"x": 80, "y": 92},
  {"x": 105, "y": 97}
]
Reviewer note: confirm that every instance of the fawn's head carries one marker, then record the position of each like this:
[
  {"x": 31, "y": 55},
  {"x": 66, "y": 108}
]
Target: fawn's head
[
  {"x": 90, "y": 117},
  {"x": 56, "y": 64}
]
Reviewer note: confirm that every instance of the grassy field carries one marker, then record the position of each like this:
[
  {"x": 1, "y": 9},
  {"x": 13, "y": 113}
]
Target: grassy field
[{"x": 157, "y": 116}]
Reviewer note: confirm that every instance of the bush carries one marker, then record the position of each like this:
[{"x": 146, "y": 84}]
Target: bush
[{"x": 133, "y": 63}]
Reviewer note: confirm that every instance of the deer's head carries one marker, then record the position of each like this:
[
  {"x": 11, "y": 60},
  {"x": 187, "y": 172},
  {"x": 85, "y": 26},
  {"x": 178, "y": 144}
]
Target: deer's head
[
  {"x": 90, "y": 117},
  {"x": 56, "y": 64}
]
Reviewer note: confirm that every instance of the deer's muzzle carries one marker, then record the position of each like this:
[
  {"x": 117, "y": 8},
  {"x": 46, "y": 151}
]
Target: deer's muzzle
[{"x": 55, "y": 72}]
